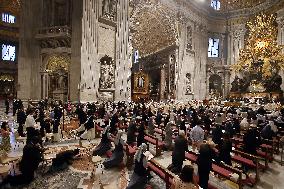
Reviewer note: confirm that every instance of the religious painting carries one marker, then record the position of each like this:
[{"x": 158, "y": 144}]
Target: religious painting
[
  {"x": 141, "y": 83},
  {"x": 106, "y": 73}
]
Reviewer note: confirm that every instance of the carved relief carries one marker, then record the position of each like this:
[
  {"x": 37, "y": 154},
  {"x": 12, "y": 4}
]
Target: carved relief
[
  {"x": 189, "y": 38},
  {"x": 109, "y": 9},
  {"x": 107, "y": 73},
  {"x": 188, "y": 89},
  {"x": 172, "y": 73}
]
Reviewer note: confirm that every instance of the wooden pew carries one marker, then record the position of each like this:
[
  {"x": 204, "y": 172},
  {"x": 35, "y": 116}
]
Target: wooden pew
[
  {"x": 155, "y": 141},
  {"x": 223, "y": 170}
]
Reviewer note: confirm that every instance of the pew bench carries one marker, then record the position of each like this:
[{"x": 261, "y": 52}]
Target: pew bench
[
  {"x": 223, "y": 170},
  {"x": 155, "y": 141}
]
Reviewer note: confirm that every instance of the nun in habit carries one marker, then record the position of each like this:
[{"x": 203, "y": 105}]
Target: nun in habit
[
  {"x": 117, "y": 155},
  {"x": 139, "y": 179},
  {"x": 105, "y": 144}
]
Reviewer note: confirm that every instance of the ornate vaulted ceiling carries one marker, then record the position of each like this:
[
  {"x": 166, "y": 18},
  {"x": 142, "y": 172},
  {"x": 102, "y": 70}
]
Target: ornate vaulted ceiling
[
  {"x": 239, "y": 4},
  {"x": 154, "y": 27},
  {"x": 11, "y": 6}
]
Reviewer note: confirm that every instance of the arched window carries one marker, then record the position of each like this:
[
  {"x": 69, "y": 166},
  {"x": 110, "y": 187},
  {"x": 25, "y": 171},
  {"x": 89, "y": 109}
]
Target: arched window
[{"x": 215, "y": 4}]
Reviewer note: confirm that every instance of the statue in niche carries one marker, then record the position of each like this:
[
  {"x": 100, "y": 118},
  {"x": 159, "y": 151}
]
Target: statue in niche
[
  {"x": 141, "y": 82},
  {"x": 237, "y": 85},
  {"x": 189, "y": 38},
  {"x": 107, "y": 73},
  {"x": 188, "y": 84},
  {"x": 109, "y": 8}
]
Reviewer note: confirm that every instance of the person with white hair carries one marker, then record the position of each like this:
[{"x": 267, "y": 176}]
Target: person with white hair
[
  {"x": 117, "y": 154},
  {"x": 139, "y": 177},
  {"x": 105, "y": 144}
]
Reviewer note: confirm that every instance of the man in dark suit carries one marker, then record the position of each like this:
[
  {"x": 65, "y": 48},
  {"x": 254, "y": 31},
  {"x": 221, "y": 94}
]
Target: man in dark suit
[{"x": 178, "y": 156}]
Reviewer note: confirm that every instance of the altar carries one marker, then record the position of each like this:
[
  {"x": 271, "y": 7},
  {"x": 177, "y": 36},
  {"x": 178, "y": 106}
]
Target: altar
[{"x": 268, "y": 95}]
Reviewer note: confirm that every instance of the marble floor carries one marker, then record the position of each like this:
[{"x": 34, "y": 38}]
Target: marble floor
[{"x": 80, "y": 174}]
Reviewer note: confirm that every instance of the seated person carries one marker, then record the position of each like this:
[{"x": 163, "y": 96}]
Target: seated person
[
  {"x": 117, "y": 155},
  {"x": 64, "y": 159},
  {"x": 32, "y": 156},
  {"x": 185, "y": 180},
  {"x": 105, "y": 144},
  {"x": 139, "y": 177}
]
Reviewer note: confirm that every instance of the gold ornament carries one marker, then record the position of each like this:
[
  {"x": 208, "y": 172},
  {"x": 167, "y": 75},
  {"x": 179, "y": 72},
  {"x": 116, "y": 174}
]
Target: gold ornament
[{"x": 261, "y": 46}]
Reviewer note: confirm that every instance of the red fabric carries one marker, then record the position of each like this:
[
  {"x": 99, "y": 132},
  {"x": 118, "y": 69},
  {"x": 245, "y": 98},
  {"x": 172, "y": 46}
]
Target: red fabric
[{"x": 243, "y": 160}]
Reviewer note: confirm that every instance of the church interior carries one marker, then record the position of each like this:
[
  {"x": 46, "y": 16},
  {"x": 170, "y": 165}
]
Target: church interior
[{"x": 141, "y": 94}]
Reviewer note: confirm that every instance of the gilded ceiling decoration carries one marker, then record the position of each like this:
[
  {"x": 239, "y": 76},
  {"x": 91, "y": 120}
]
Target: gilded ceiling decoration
[
  {"x": 154, "y": 27},
  {"x": 262, "y": 51},
  {"x": 230, "y": 5},
  {"x": 58, "y": 62},
  {"x": 11, "y": 6},
  {"x": 6, "y": 77}
]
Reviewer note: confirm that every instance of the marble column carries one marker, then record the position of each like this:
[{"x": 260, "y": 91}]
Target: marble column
[
  {"x": 280, "y": 21},
  {"x": 162, "y": 83},
  {"x": 123, "y": 60}
]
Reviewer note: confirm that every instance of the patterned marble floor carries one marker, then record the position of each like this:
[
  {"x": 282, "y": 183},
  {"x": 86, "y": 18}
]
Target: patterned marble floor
[{"x": 79, "y": 175}]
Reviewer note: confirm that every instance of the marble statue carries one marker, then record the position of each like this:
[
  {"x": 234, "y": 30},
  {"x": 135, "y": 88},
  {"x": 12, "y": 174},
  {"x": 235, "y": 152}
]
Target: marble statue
[
  {"x": 109, "y": 8},
  {"x": 188, "y": 84}
]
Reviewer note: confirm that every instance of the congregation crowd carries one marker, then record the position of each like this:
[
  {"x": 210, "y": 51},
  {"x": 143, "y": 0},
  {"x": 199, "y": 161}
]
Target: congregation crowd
[{"x": 205, "y": 128}]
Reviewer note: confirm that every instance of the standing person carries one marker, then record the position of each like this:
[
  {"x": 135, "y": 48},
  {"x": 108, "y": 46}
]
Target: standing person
[
  {"x": 5, "y": 133},
  {"x": 15, "y": 106},
  {"x": 225, "y": 150},
  {"x": 204, "y": 163},
  {"x": 89, "y": 125},
  {"x": 113, "y": 122},
  {"x": 139, "y": 177},
  {"x": 251, "y": 141},
  {"x": 197, "y": 135},
  {"x": 21, "y": 119},
  {"x": 57, "y": 117},
  {"x": 217, "y": 135},
  {"x": 30, "y": 124},
  {"x": 185, "y": 180},
  {"x": 168, "y": 135},
  {"x": 132, "y": 129},
  {"x": 141, "y": 134},
  {"x": 118, "y": 154},
  {"x": 151, "y": 126},
  {"x": 178, "y": 156},
  {"x": 7, "y": 105}
]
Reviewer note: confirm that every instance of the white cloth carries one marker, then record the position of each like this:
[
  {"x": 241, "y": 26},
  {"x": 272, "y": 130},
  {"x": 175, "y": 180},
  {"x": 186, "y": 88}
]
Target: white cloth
[{"x": 30, "y": 121}]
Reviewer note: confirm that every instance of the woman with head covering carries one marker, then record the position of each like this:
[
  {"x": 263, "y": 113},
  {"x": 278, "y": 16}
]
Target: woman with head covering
[
  {"x": 105, "y": 144},
  {"x": 185, "y": 180},
  {"x": 117, "y": 155},
  {"x": 139, "y": 177},
  {"x": 5, "y": 133}
]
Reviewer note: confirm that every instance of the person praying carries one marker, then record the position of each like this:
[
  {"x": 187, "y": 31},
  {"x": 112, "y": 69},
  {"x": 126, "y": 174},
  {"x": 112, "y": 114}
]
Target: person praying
[
  {"x": 178, "y": 155},
  {"x": 204, "y": 163},
  {"x": 196, "y": 135},
  {"x": 105, "y": 144},
  {"x": 139, "y": 178},
  {"x": 185, "y": 180},
  {"x": 117, "y": 155},
  {"x": 132, "y": 129}
]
